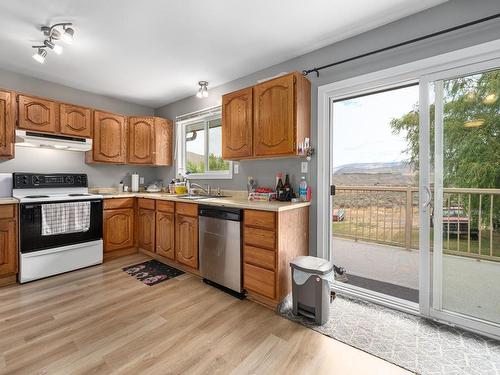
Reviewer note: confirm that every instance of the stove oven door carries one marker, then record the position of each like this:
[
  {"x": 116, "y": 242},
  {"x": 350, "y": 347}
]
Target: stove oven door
[{"x": 30, "y": 228}]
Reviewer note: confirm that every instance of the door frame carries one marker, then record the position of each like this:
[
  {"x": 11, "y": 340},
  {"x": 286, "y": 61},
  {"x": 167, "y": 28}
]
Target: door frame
[
  {"x": 435, "y": 289},
  {"x": 391, "y": 77}
]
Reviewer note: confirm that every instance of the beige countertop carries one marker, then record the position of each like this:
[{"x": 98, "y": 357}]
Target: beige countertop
[
  {"x": 8, "y": 200},
  {"x": 237, "y": 201}
]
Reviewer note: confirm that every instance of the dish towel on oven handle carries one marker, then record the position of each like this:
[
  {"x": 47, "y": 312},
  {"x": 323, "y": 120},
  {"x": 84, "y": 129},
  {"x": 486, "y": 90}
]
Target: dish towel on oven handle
[{"x": 63, "y": 218}]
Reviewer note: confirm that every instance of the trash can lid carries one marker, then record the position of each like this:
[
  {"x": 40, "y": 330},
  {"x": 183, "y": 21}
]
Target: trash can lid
[{"x": 314, "y": 265}]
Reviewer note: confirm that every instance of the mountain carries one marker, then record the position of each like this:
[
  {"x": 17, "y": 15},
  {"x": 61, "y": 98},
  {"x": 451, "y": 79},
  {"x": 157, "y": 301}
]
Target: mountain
[{"x": 388, "y": 174}]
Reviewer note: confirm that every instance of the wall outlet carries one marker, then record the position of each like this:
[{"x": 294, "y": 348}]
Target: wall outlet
[
  {"x": 236, "y": 168},
  {"x": 304, "y": 166},
  {"x": 141, "y": 180}
]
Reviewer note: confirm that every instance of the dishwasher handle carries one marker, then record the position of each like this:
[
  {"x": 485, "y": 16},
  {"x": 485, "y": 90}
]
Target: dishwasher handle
[{"x": 223, "y": 213}]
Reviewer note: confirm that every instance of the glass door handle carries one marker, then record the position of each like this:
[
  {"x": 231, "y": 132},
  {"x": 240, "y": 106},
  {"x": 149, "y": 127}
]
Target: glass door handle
[{"x": 427, "y": 203}]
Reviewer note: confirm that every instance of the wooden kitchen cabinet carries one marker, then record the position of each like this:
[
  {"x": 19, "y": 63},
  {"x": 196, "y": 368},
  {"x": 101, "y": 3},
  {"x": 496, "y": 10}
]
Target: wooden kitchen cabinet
[
  {"x": 237, "y": 123},
  {"x": 271, "y": 241},
  {"x": 8, "y": 244},
  {"x": 7, "y": 124},
  {"x": 118, "y": 231},
  {"x": 165, "y": 234},
  {"x": 146, "y": 229},
  {"x": 150, "y": 141},
  {"x": 110, "y": 139},
  {"x": 75, "y": 121},
  {"x": 36, "y": 114},
  {"x": 186, "y": 234},
  {"x": 280, "y": 118}
]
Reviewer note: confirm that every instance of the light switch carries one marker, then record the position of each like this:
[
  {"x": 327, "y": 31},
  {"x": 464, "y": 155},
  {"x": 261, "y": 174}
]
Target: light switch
[
  {"x": 303, "y": 167},
  {"x": 236, "y": 168},
  {"x": 141, "y": 180}
]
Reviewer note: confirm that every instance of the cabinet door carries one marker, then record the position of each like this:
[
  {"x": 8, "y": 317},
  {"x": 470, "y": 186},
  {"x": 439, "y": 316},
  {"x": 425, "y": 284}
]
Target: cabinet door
[
  {"x": 7, "y": 120},
  {"x": 8, "y": 247},
  {"x": 165, "y": 234},
  {"x": 110, "y": 137},
  {"x": 141, "y": 140},
  {"x": 146, "y": 230},
  {"x": 186, "y": 240},
  {"x": 37, "y": 114},
  {"x": 163, "y": 142},
  {"x": 118, "y": 229},
  {"x": 75, "y": 121},
  {"x": 237, "y": 124},
  {"x": 274, "y": 125}
]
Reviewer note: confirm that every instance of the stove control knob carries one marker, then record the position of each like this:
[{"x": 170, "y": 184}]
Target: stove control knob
[
  {"x": 69, "y": 179},
  {"x": 36, "y": 180}
]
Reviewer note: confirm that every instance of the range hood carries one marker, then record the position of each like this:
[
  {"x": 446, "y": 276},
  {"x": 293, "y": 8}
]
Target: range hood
[{"x": 57, "y": 142}]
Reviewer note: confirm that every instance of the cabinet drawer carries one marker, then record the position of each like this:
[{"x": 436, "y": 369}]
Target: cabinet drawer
[
  {"x": 118, "y": 203},
  {"x": 260, "y": 238},
  {"x": 165, "y": 206},
  {"x": 261, "y": 219},
  {"x": 259, "y": 257},
  {"x": 259, "y": 280},
  {"x": 188, "y": 209},
  {"x": 148, "y": 204},
  {"x": 7, "y": 211}
]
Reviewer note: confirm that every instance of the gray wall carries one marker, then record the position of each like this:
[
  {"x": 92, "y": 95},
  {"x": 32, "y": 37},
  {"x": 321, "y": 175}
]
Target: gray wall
[
  {"x": 49, "y": 161},
  {"x": 443, "y": 16}
]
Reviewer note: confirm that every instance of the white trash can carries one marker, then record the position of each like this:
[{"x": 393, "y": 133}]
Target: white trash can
[{"x": 311, "y": 279}]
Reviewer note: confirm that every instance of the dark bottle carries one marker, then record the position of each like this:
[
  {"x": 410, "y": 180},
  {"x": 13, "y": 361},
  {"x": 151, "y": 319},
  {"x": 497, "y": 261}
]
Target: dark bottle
[
  {"x": 288, "y": 189},
  {"x": 280, "y": 191}
]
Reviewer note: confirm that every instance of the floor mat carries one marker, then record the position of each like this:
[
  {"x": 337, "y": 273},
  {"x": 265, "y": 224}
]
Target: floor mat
[
  {"x": 152, "y": 272},
  {"x": 416, "y": 344}
]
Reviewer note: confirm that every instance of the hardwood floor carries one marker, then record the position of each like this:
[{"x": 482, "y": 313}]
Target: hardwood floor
[{"x": 100, "y": 320}]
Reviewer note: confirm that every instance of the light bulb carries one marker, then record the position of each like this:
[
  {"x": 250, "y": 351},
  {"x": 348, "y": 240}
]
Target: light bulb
[
  {"x": 58, "y": 49},
  {"x": 67, "y": 36},
  {"x": 39, "y": 56}
]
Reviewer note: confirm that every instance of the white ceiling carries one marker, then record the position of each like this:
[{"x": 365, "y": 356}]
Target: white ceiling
[{"x": 154, "y": 52}]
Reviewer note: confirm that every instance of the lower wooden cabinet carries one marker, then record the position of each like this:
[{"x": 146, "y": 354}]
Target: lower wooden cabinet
[
  {"x": 8, "y": 242},
  {"x": 186, "y": 240},
  {"x": 146, "y": 229},
  {"x": 118, "y": 231},
  {"x": 165, "y": 234}
]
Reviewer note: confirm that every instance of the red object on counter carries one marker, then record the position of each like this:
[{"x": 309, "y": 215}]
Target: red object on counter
[
  {"x": 309, "y": 194},
  {"x": 264, "y": 190}
]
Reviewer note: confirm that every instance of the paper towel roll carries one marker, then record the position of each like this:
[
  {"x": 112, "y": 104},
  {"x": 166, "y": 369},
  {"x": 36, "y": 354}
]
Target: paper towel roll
[{"x": 135, "y": 182}]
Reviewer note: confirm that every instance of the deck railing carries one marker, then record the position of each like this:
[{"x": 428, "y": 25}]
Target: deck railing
[{"x": 389, "y": 215}]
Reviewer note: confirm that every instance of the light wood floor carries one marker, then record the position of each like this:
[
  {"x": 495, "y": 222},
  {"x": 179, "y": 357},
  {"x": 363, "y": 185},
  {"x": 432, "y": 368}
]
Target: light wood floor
[{"x": 100, "y": 320}]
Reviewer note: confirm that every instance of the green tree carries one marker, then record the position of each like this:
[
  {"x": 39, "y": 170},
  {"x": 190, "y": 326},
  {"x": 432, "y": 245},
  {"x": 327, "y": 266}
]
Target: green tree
[
  {"x": 471, "y": 131},
  {"x": 215, "y": 163}
]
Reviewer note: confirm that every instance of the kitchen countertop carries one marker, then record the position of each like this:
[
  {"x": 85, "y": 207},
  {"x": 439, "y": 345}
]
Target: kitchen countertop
[
  {"x": 236, "y": 202},
  {"x": 8, "y": 200}
]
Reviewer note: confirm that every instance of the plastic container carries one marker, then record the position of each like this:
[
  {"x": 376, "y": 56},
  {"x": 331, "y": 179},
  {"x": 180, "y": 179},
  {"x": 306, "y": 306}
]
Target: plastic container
[
  {"x": 303, "y": 189},
  {"x": 180, "y": 188}
]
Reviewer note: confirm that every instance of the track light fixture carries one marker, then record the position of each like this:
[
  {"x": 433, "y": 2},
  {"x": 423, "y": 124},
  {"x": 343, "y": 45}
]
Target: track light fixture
[
  {"x": 58, "y": 31},
  {"x": 202, "y": 90}
]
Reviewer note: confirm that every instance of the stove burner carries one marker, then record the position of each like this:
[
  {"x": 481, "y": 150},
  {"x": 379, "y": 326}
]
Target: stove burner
[
  {"x": 79, "y": 195},
  {"x": 36, "y": 196}
]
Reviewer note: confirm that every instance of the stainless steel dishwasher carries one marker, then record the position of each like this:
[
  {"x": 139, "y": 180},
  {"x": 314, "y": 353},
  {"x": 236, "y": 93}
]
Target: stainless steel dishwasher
[{"x": 220, "y": 247}]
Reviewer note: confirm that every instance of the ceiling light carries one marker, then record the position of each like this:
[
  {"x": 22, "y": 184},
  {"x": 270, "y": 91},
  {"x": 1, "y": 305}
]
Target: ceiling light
[
  {"x": 202, "y": 90},
  {"x": 474, "y": 123},
  {"x": 39, "y": 56},
  {"x": 56, "y": 48},
  {"x": 490, "y": 99},
  {"x": 67, "y": 36}
]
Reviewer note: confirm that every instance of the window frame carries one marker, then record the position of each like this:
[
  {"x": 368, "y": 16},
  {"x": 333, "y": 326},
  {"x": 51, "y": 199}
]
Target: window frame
[{"x": 203, "y": 116}]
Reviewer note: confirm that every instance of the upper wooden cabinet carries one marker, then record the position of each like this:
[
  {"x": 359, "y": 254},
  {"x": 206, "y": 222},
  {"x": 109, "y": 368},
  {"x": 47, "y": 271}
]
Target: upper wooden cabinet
[
  {"x": 75, "y": 121},
  {"x": 37, "y": 114},
  {"x": 110, "y": 137},
  {"x": 7, "y": 122},
  {"x": 149, "y": 141},
  {"x": 280, "y": 118},
  {"x": 237, "y": 122}
]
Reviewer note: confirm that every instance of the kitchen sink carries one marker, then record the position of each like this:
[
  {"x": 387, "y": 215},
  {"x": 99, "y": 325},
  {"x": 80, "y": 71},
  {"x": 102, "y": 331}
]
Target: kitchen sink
[{"x": 198, "y": 197}]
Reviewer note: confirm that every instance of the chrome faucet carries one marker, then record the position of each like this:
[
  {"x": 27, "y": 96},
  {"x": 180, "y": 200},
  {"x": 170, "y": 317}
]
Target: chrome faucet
[{"x": 206, "y": 190}]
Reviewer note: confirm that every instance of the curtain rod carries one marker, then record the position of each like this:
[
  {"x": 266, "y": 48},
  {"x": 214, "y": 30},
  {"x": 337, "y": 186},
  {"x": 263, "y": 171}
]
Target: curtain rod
[{"x": 305, "y": 72}]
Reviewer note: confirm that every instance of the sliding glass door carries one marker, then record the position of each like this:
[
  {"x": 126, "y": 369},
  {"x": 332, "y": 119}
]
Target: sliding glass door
[{"x": 464, "y": 225}]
